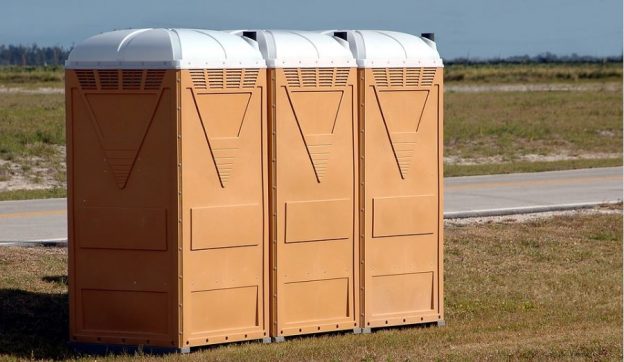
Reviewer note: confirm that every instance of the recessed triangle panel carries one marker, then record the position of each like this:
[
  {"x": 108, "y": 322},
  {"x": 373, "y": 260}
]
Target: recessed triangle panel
[
  {"x": 316, "y": 113},
  {"x": 122, "y": 122},
  {"x": 401, "y": 112},
  {"x": 222, "y": 116}
]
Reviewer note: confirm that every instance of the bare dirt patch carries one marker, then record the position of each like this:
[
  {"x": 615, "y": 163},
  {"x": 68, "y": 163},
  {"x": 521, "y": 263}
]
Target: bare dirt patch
[
  {"x": 563, "y": 156},
  {"x": 545, "y": 87},
  {"x": 33, "y": 172},
  {"x": 43, "y": 90},
  {"x": 521, "y": 218}
]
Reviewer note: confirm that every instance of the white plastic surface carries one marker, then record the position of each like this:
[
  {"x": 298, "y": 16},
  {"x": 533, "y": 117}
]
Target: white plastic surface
[
  {"x": 383, "y": 49},
  {"x": 302, "y": 49},
  {"x": 165, "y": 49}
]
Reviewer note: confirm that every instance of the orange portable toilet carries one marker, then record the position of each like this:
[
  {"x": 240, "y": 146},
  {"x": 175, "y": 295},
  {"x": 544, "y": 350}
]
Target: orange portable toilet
[
  {"x": 313, "y": 194},
  {"x": 401, "y": 219},
  {"x": 167, "y": 189}
]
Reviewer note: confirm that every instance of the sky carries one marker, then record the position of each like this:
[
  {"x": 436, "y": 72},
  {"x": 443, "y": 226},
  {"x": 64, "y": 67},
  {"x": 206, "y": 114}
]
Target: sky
[{"x": 474, "y": 28}]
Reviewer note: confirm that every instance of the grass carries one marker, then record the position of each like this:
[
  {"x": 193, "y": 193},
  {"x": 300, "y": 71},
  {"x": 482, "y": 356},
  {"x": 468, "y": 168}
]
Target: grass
[
  {"x": 527, "y": 166},
  {"x": 33, "y": 194},
  {"x": 527, "y": 73},
  {"x": 29, "y": 124},
  {"x": 31, "y": 77},
  {"x": 514, "y": 124},
  {"x": 32, "y": 137},
  {"x": 543, "y": 289}
]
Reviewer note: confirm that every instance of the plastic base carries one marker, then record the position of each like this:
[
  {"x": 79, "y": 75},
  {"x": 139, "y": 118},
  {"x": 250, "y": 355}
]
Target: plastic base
[
  {"x": 279, "y": 339},
  {"x": 266, "y": 340},
  {"x": 367, "y": 331},
  {"x": 441, "y": 323},
  {"x": 104, "y": 349}
]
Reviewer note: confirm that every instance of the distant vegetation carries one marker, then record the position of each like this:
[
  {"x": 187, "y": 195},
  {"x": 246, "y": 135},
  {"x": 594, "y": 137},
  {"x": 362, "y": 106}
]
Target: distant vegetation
[{"x": 32, "y": 55}]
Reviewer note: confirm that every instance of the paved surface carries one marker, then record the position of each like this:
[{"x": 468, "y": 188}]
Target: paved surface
[
  {"x": 37, "y": 220},
  {"x": 531, "y": 192}
]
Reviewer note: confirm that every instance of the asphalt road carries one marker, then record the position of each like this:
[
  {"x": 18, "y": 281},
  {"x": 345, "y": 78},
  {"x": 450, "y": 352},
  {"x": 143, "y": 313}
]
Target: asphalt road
[{"x": 45, "y": 220}]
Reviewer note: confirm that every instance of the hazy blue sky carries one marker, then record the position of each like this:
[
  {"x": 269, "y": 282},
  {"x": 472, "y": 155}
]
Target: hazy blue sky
[{"x": 475, "y": 28}]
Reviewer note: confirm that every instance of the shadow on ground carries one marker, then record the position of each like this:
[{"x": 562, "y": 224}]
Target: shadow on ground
[{"x": 33, "y": 325}]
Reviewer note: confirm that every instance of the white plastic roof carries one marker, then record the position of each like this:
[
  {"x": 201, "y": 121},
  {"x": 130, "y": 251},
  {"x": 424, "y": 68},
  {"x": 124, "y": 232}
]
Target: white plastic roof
[
  {"x": 381, "y": 49},
  {"x": 302, "y": 49},
  {"x": 165, "y": 49}
]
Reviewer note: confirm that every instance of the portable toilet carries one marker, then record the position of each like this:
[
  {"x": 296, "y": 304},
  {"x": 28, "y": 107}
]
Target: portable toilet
[
  {"x": 167, "y": 189},
  {"x": 313, "y": 194},
  {"x": 400, "y": 120}
]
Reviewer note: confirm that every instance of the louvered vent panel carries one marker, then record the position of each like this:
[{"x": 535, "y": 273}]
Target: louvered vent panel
[
  {"x": 86, "y": 78},
  {"x": 427, "y": 76},
  {"x": 404, "y": 77},
  {"x": 109, "y": 79},
  {"x": 154, "y": 78},
  {"x": 216, "y": 78},
  {"x": 131, "y": 79},
  {"x": 198, "y": 78},
  {"x": 250, "y": 77},
  {"x": 114, "y": 79},
  {"x": 224, "y": 78},
  {"x": 316, "y": 77}
]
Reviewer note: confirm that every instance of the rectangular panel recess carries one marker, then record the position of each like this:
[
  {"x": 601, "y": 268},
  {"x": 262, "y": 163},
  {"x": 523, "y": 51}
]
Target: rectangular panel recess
[
  {"x": 316, "y": 301},
  {"x": 125, "y": 311},
  {"x": 122, "y": 228},
  {"x": 226, "y": 226},
  {"x": 401, "y": 293},
  {"x": 409, "y": 215},
  {"x": 319, "y": 220},
  {"x": 224, "y": 309}
]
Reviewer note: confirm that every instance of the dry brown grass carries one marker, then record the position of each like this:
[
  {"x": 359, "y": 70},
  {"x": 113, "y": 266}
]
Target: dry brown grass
[{"x": 544, "y": 289}]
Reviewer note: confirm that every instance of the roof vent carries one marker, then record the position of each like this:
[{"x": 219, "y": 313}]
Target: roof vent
[
  {"x": 341, "y": 34},
  {"x": 430, "y": 36},
  {"x": 251, "y": 35}
]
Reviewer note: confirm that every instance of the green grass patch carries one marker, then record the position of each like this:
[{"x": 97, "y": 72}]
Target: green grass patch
[
  {"x": 30, "y": 124},
  {"x": 546, "y": 289},
  {"x": 32, "y": 77},
  {"x": 512, "y": 124},
  {"x": 33, "y": 194},
  {"x": 526, "y": 73},
  {"x": 527, "y": 166}
]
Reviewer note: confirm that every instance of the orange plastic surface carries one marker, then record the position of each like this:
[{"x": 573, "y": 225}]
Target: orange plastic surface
[
  {"x": 401, "y": 196},
  {"x": 313, "y": 137},
  {"x": 167, "y": 206}
]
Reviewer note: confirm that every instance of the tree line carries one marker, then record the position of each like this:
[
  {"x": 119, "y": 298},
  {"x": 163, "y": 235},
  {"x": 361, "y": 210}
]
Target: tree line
[{"x": 35, "y": 55}]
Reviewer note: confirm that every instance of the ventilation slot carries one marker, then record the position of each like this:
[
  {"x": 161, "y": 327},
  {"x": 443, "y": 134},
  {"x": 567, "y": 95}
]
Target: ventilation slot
[
  {"x": 198, "y": 78},
  {"x": 404, "y": 77},
  {"x": 86, "y": 78},
  {"x": 114, "y": 79},
  {"x": 131, "y": 79},
  {"x": 153, "y": 79},
  {"x": 250, "y": 77},
  {"x": 316, "y": 77},
  {"x": 427, "y": 76},
  {"x": 224, "y": 78},
  {"x": 109, "y": 79},
  {"x": 233, "y": 78}
]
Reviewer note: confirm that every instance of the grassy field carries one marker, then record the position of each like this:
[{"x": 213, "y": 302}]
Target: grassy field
[
  {"x": 530, "y": 73},
  {"x": 31, "y": 77},
  {"x": 543, "y": 289},
  {"x": 32, "y": 138},
  {"x": 485, "y": 132}
]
